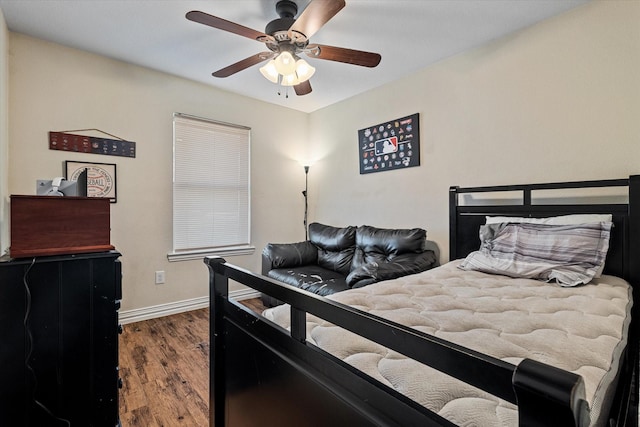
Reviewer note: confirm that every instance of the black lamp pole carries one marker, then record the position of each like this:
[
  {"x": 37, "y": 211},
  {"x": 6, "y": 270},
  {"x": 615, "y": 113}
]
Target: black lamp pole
[{"x": 306, "y": 206}]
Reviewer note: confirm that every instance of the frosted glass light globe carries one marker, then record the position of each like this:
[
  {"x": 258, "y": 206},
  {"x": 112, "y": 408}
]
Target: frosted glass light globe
[{"x": 285, "y": 63}]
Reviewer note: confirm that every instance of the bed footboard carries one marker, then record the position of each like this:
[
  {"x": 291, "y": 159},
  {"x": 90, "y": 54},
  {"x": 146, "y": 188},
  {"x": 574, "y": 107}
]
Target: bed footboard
[{"x": 261, "y": 374}]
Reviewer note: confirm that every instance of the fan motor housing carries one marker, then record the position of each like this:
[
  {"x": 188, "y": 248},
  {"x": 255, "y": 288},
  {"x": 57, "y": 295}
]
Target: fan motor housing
[
  {"x": 277, "y": 25},
  {"x": 286, "y": 10}
]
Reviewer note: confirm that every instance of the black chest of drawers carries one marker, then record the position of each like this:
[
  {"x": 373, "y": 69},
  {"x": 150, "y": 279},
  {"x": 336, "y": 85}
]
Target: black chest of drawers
[{"x": 59, "y": 340}]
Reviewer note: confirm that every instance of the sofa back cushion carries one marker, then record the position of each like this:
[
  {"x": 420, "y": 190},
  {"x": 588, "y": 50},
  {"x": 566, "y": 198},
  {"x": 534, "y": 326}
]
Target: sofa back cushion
[
  {"x": 379, "y": 245},
  {"x": 335, "y": 246}
]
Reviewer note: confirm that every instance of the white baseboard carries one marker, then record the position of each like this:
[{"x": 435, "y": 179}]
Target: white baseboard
[{"x": 153, "y": 312}]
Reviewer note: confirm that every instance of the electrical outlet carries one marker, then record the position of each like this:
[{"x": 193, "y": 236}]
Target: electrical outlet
[{"x": 159, "y": 277}]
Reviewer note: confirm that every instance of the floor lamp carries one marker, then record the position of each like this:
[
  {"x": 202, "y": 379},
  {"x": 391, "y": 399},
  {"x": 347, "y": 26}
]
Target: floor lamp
[{"x": 306, "y": 205}]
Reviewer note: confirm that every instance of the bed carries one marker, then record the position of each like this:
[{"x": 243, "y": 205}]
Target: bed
[{"x": 279, "y": 370}]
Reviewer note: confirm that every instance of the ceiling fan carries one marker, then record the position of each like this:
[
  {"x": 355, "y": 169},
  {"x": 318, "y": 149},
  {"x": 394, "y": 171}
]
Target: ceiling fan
[{"x": 286, "y": 38}]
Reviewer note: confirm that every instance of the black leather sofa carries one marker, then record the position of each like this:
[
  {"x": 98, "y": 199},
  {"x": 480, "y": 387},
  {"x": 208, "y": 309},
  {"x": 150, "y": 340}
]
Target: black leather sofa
[{"x": 335, "y": 259}]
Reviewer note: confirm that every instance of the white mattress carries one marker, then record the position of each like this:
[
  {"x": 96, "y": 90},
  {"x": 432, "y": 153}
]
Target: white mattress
[{"x": 582, "y": 330}]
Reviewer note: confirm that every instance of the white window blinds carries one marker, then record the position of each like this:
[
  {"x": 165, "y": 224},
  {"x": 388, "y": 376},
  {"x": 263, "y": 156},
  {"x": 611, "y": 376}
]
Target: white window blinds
[{"x": 211, "y": 192}]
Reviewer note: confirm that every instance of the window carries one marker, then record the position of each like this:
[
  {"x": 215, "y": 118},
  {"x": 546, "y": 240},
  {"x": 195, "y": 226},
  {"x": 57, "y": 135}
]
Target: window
[{"x": 211, "y": 197}]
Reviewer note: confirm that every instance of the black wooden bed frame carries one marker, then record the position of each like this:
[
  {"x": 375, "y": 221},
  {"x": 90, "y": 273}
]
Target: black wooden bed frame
[{"x": 262, "y": 375}]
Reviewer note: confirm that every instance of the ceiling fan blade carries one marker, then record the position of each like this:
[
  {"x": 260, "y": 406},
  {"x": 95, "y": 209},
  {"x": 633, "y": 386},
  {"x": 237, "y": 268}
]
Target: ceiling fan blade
[
  {"x": 223, "y": 24},
  {"x": 341, "y": 54},
  {"x": 245, "y": 63},
  {"x": 303, "y": 88},
  {"x": 315, "y": 15}
]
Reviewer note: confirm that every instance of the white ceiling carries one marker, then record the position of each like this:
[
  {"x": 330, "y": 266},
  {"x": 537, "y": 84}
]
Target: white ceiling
[{"x": 409, "y": 34}]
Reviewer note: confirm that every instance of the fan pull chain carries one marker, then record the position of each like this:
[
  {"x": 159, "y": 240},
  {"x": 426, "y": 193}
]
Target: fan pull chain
[{"x": 286, "y": 91}]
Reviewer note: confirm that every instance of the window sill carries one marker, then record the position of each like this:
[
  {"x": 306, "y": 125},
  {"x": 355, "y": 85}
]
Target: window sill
[{"x": 192, "y": 255}]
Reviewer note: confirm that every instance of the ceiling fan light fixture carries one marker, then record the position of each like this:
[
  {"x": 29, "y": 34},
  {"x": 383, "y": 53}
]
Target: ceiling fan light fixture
[
  {"x": 270, "y": 72},
  {"x": 294, "y": 71}
]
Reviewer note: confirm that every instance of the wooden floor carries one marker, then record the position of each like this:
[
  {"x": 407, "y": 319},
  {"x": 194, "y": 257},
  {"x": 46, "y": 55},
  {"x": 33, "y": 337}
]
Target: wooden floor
[{"x": 164, "y": 366}]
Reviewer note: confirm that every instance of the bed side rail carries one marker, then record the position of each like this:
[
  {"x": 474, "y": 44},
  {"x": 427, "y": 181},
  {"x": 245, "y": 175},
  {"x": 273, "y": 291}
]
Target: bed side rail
[{"x": 545, "y": 395}]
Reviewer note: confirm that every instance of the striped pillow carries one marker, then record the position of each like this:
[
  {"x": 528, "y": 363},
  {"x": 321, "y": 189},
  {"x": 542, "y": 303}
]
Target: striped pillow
[{"x": 568, "y": 254}]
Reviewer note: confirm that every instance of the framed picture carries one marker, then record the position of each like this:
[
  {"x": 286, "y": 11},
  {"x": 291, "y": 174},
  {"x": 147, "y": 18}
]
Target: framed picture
[
  {"x": 101, "y": 178},
  {"x": 391, "y": 145}
]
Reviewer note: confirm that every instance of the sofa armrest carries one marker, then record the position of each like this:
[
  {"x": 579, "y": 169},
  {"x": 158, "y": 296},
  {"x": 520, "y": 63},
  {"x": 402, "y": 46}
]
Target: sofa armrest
[{"x": 283, "y": 255}]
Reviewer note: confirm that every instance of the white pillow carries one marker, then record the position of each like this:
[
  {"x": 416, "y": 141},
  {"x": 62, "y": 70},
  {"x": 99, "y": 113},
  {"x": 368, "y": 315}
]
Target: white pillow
[
  {"x": 554, "y": 220},
  {"x": 573, "y": 219}
]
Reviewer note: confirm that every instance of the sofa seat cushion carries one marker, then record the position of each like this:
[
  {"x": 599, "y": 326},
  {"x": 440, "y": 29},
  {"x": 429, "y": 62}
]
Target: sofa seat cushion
[
  {"x": 402, "y": 265},
  {"x": 312, "y": 278}
]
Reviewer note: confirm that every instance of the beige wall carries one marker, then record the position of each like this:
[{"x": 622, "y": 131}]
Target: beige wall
[
  {"x": 4, "y": 133},
  {"x": 558, "y": 101},
  {"x": 55, "y": 88}
]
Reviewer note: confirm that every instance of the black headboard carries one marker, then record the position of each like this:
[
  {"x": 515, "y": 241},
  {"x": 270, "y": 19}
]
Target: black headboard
[{"x": 623, "y": 258}]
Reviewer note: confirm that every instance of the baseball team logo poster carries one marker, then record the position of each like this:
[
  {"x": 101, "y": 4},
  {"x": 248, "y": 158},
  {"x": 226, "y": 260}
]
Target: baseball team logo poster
[{"x": 390, "y": 145}]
